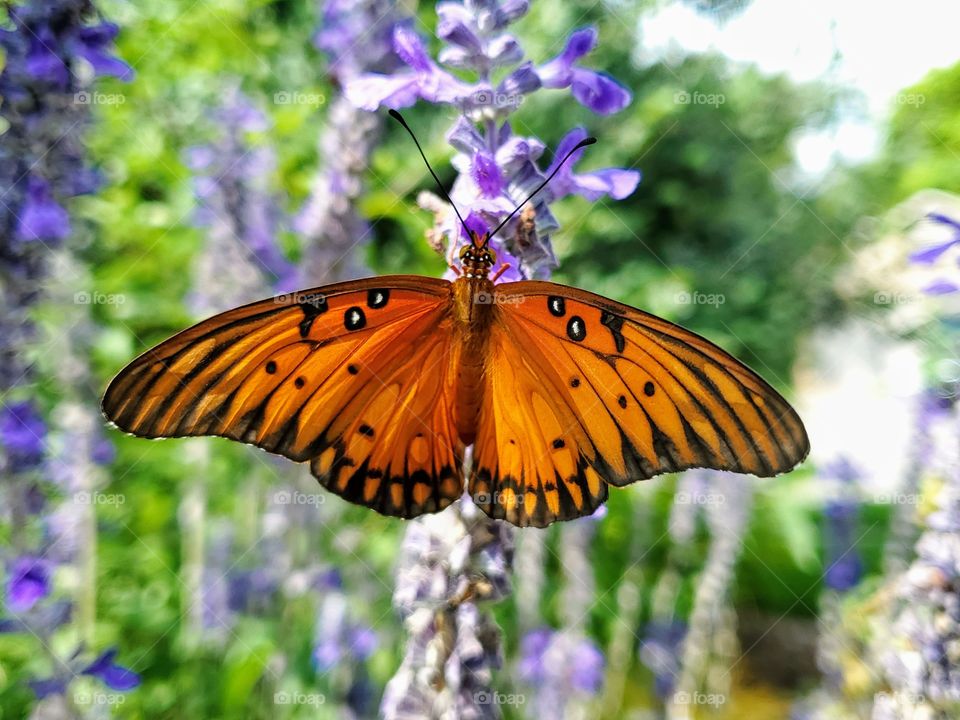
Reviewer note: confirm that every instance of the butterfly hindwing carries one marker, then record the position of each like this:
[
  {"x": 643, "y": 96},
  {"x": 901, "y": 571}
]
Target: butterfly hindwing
[
  {"x": 352, "y": 377},
  {"x": 594, "y": 392}
]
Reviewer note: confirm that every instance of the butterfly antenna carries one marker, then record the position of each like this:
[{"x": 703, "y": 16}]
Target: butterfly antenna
[
  {"x": 583, "y": 143},
  {"x": 399, "y": 118}
]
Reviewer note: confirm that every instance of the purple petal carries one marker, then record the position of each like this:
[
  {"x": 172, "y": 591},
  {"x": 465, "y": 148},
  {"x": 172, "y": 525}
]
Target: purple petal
[
  {"x": 941, "y": 287},
  {"x": 615, "y": 182},
  {"x": 579, "y": 44},
  {"x": 94, "y": 44},
  {"x": 517, "y": 152},
  {"x": 48, "y": 686},
  {"x": 408, "y": 45},
  {"x": 454, "y": 25},
  {"x": 114, "y": 676},
  {"x": 599, "y": 92},
  {"x": 22, "y": 431},
  {"x": 29, "y": 582},
  {"x": 587, "y": 667},
  {"x": 510, "y": 10},
  {"x": 363, "y": 642},
  {"x": 370, "y": 91},
  {"x": 504, "y": 50},
  {"x": 521, "y": 81},
  {"x": 944, "y": 220},
  {"x": 475, "y": 225},
  {"x": 43, "y": 62},
  {"x": 487, "y": 175},
  {"x": 930, "y": 255},
  {"x": 326, "y": 655},
  {"x": 464, "y": 137},
  {"x": 41, "y": 218}
]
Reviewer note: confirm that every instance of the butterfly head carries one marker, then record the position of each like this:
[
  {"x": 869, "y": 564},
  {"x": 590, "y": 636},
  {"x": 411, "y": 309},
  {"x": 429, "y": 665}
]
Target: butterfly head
[{"x": 477, "y": 257}]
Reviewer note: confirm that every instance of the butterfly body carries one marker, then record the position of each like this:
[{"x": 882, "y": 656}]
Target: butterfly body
[{"x": 382, "y": 383}]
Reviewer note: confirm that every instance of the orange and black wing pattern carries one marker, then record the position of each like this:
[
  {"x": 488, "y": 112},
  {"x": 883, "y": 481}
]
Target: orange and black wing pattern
[
  {"x": 583, "y": 392},
  {"x": 354, "y": 378}
]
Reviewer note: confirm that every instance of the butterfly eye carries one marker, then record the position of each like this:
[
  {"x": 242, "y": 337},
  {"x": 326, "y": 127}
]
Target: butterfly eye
[
  {"x": 492, "y": 255},
  {"x": 465, "y": 252}
]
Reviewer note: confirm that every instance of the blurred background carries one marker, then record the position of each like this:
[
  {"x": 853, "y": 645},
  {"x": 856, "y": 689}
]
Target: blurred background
[{"x": 163, "y": 161}]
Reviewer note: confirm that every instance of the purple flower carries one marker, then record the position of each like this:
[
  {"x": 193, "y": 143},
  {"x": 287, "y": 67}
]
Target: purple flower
[
  {"x": 615, "y": 182},
  {"x": 424, "y": 80},
  {"x": 42, "y": 62},
  {"x": 660, "y": 652},
  {"x": 41, "y": 217},
  {"x": 94, "y": 44},
  {"x": 586, "y": 667},
  {"x": 22, "y": 434},
  {"x": 115, "y": 677},
  {"x": 930, "y": 255},
  {"x": 28, "y": 583},
  {"x": 48, "y": 686},
  {"x": 532, "y": 649},
  {"x": 592, "y": 89},
  {"x": 842, "y": 469}
]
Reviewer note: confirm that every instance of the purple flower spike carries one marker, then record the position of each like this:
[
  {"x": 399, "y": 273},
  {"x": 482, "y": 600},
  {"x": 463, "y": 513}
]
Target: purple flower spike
[
  {"x": 615, "y": 182},
  {"x": 592, "y": 89},
  {"x": 29, "y": 582},
  {"x": 115, "y": 677},
  {"x": 425, "y": 80},
  {"x": 41, "y": 217}
]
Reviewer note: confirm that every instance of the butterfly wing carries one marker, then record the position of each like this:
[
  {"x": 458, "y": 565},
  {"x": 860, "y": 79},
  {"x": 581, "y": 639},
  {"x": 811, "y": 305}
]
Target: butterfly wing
[
  {"x": 356, "y": 378},
  {"x": 583, "y": 392}
]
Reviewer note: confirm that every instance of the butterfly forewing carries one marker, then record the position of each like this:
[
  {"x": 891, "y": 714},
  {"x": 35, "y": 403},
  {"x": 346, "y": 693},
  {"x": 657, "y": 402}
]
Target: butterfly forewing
[
  {"x": 583, "y": 392},
  {"x": 353, "y": 377}
]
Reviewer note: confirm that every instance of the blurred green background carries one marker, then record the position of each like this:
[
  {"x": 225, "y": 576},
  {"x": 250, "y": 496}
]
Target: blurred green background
[{"x": 716, "y": 187}]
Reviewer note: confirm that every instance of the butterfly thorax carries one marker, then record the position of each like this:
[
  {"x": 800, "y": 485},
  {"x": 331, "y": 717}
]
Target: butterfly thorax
[{"x": 473, "y": 300}]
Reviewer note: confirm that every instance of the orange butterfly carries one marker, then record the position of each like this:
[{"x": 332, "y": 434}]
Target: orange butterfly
[{"x": 382, "y": 383}]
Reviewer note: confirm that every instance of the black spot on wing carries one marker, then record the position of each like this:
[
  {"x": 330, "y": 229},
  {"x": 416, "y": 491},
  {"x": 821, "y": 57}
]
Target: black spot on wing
[
  {"x": 354, "y": 318},
  {"x": 377, "y": 298},
  {"x": 576, "y": 328},
  {"x": 557, "y": 306}
]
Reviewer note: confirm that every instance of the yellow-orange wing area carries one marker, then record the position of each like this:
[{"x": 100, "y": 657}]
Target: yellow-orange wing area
[
  {"x": 355, "y": 378},
  {"x": 583, "y": 392}
]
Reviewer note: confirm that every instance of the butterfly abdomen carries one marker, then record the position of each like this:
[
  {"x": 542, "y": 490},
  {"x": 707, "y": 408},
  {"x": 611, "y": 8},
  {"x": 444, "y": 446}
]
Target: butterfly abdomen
[{"x": 473, "y": 301}]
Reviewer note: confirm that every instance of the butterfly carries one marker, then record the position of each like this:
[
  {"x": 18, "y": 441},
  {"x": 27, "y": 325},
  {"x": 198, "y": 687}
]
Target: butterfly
[{"x": 382, "y": 384}]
